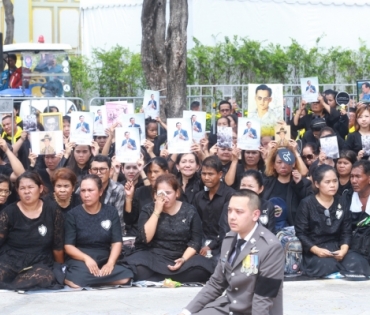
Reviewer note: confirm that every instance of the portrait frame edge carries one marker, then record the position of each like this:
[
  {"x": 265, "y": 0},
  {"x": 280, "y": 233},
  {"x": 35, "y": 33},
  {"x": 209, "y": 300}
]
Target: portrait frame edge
[{"x": 47, "y": 115}]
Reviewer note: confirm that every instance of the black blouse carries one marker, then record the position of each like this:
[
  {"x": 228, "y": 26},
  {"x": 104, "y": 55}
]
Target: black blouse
[
  {"x": 75, "y": 201},
  {"x": 99, "y": 231},
  {"x": 311, "y": 227},
  {"x": 31, "y": 236},
  {"x": 175, "y": 233}
]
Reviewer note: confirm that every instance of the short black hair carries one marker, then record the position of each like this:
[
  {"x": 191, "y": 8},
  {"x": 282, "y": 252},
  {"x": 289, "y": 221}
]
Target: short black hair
[
  {"x": 213, "y": 162},
  {"x": 81, "y": 116},
  {"x": 364, "y": 164},
  {"x": 223, "y": 103},
  {"x": 264, "y": 87},
  {"x": 13, "y": 57},
  {"x": 254, "y": 202},
  {"x": 367, "y": 84},
  {"x": 95, "y": 178},
  {"x": 194, "y": 104},
  {"x": 101, "y": 159},
  {"x": 67, "y": 119}
]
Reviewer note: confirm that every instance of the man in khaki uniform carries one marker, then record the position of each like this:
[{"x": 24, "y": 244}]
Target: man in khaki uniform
[
  {"x": 48, "y": 149},
  {"x": 250, "y": 268}
]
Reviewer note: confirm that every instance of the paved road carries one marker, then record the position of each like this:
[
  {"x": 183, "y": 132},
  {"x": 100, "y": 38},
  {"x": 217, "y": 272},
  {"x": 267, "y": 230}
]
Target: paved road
[{"x": 309, "y": 297}]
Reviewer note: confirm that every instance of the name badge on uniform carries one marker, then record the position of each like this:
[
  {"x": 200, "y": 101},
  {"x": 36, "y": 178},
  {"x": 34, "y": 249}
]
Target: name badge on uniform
[{"x": 250, "y": 265}]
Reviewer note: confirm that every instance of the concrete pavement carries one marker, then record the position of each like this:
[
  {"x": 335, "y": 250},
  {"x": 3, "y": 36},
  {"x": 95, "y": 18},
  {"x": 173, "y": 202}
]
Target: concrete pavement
[{"x": 304, "y": 297}]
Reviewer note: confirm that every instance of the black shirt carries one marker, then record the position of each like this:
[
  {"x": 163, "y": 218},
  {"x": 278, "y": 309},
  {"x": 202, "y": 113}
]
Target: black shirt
[
  {"x": 193, "y": 186},
  {"x": 142, "y": 197},
  {"x": 280, "y": 190},
  {"x": 88, "y": 231},
  {"x": 311, "y": 228},
  {"x": 330, "y": 119},
  {"x": 210, "y": 211}
]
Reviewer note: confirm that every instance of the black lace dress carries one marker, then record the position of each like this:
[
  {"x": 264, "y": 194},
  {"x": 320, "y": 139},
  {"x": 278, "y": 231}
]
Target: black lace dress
[
  {"x": 93, "y": 235},
  {"x": 173, "y": 236},
  {"x": 26, "y": 248},
  {"x": 75, "y": 201},
  {"x": 312, "y": 229}
]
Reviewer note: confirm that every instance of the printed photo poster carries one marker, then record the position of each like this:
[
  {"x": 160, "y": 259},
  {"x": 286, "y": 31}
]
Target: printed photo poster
[
  {"x": 100, "y": 120},
  {"x": 82, "y": 124},
  {"x": 29, "y": 123},
  {"x": 363, "y": 91},
  {"x": 198, "y": 123},
  {"x": 179, "y": 135},
  {"x": 329, "y": 145},
  {"x": 127, "y": 144},
  {"x": 225, "y": 137},
  {"x": 310, "y": 89},
  {"x": 282, "y": 134},
  {"x": 135, "y": 121},
  {"x": 47, "y": 142},
  {"x": 151, "y": 104},
  {"x": 366, "y": 145},
  {"x": 115, "y": 110},
  {"x": 249, "y": 133},
  {"x": 266, "y": 103}
]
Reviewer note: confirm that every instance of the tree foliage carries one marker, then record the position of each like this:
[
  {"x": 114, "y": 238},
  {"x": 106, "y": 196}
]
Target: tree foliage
[{"x": 118, "y": 72}]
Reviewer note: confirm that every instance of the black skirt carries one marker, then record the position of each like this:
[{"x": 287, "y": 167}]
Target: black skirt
[
  {"x": 79, "y": 274},
  {"x": 315, "y": 266},
  {"x": 157, "y": 260}
]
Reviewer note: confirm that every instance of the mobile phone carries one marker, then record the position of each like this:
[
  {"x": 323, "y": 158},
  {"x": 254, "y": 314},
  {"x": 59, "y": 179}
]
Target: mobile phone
[{"x": 335, "y": 254}]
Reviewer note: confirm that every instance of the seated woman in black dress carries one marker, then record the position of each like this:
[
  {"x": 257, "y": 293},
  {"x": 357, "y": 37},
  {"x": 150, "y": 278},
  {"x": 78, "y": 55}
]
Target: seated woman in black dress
[
  {"x": 324, "y": 228},
  {"x": 64, "y": 183},
  {"x": 31, "y": 238},
  {"x": 137, "y": 199},
  {"x": 169, "y": 239},
  {"x": 93, "y": 240},
  {"x": 5, "y": 190}
]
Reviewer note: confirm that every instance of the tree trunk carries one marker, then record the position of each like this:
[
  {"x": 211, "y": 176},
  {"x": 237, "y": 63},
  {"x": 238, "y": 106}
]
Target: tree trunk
[
  {"x": 153, "y": 56},
  {"x": 164, "y": 60},
  {"x": 9, "y": 20},
  {"x": 176, "y": 42}
]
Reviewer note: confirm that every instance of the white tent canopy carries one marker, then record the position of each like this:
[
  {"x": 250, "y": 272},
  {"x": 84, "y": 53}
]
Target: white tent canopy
[{"x": 106, "y": 23}]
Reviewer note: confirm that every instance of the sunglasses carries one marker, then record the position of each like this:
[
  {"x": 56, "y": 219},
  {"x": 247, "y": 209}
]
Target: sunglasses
[
  {"x": 307, "y": 157},
  {"x": 327, "y": 215}
]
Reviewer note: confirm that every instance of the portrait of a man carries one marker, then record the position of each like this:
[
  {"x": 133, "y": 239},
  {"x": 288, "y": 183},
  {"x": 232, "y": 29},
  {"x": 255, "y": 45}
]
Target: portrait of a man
[
  {"x": 128, "y": 143},
  {"x": 180, "y": 134},
  {"x": 152, "y": 104},
  {"x": 197, "y": 127},
  {"x": 82, "y": 126},
  {"x": 249, "y": 132},
  {"x": 52, "y": 121},
  {"x": 46, "y": 145}
]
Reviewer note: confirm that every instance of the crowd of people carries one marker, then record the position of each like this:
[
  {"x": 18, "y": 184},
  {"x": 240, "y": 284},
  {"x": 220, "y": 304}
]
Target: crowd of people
[{"x": 62, "y": 217}]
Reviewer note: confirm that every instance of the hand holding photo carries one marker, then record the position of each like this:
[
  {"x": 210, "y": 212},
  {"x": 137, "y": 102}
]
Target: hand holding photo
[
  {"x": 179, "y": 135},
  {"x": 135, "y": 121},
  {"x": 224, "y": 137},
  {"x": 310, "y": 89},
  {"x": 329, "y": 145},
  {"x": 249, "y": 132},
  {"x": 52, "y": 121},
  {"x": 100, "y": 119},
  {"x": 198, "y": 123},
  {"x": 282, "y": 135},
  {"x": 266, "y": 103},
  {"x": 81, "y": 127},
  {"x": 127, "y": 144},
  {"x": 47, "y": 142},
  {"x": 30, "y": 123},
  {"x": 151, "y": 104}
]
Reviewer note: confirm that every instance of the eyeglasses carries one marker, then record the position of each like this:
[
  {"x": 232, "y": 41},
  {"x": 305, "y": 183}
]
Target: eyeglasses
[
  {"x": 5, "y": 192},
  {"x": 327, "y": 215},
  {"x": 307, "y": 157},
  {"x": 102, "y": 170}
]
